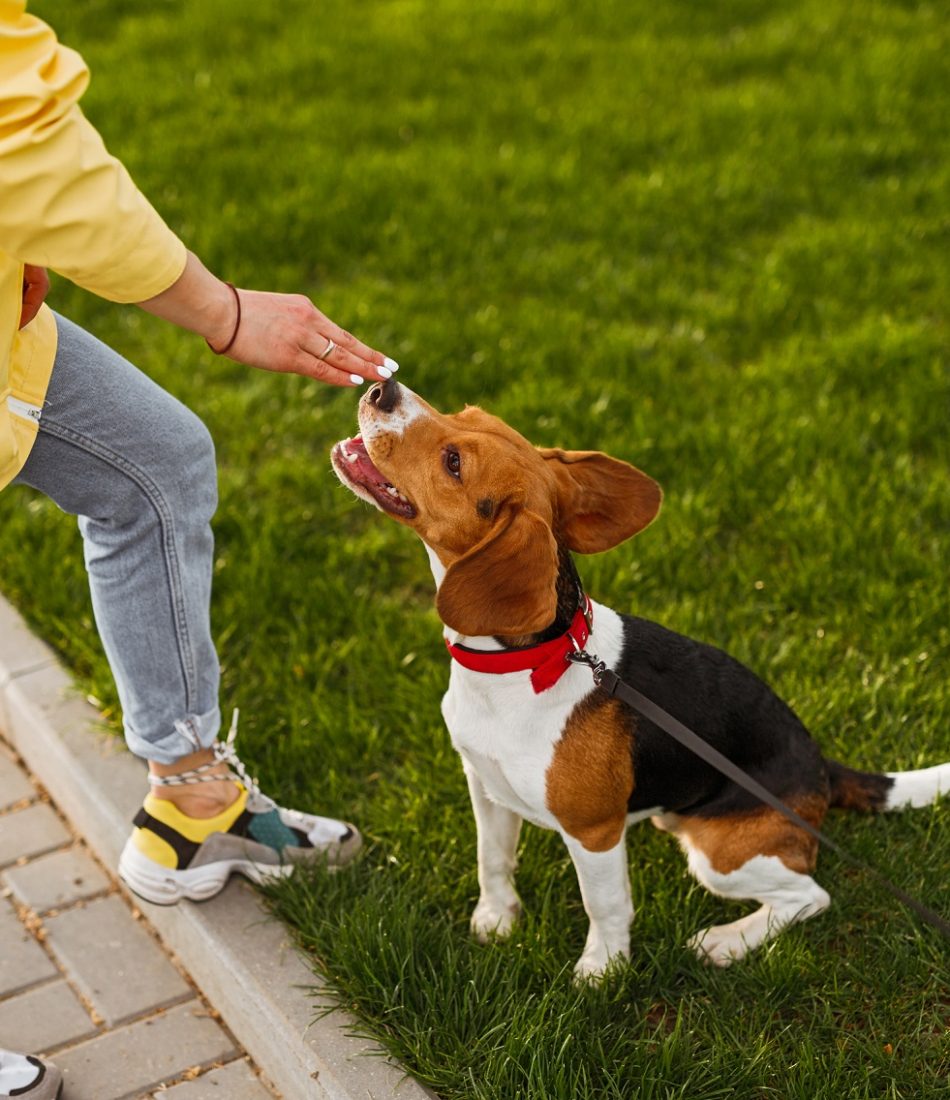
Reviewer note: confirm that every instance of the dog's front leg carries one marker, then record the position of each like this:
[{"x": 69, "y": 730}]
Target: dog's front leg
[
  {"x": 498, "y": 830},
  {"x": 605, "y": 887}
]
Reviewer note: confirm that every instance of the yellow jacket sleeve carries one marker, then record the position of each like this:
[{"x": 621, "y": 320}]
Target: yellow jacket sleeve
[{"x": 65, "y": 202}]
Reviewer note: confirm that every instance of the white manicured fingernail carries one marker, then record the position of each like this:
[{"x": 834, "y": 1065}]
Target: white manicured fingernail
[
  {"x": 356, "y": 380},
  {"x": 391, "y": 365},
  {"x": 384, "y": 372}
]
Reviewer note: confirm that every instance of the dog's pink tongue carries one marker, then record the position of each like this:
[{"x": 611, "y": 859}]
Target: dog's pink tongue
[{"x": 363, "y": 463}]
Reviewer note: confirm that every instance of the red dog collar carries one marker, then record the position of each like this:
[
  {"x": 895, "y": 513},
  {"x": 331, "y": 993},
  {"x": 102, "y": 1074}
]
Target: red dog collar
[{"x": 548, "y": 661}]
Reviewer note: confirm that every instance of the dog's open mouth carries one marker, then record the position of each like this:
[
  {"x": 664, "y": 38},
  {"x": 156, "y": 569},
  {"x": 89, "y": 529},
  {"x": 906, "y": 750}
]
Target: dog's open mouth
[{"x": 355, "y": 468}]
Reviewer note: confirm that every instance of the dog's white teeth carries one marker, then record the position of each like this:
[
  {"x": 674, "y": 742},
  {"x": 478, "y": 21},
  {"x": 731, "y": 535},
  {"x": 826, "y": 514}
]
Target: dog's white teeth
[
  {"x": 395, "y": 493},
  {"x": 350, "y": 458}
]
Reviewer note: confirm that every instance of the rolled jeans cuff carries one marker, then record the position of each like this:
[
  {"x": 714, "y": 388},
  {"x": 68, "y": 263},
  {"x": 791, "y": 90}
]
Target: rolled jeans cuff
[{"x": 190, "y": 734}]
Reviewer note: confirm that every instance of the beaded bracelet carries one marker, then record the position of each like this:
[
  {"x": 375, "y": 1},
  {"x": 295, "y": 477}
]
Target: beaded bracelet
[{"x": 237, "y": 324}]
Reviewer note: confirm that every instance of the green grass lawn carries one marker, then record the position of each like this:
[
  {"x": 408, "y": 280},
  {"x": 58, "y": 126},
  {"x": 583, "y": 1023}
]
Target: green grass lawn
[{"x": 712, "y": 239}]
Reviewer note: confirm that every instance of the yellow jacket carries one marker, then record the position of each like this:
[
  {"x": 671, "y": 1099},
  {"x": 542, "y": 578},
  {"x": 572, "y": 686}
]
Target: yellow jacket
[{"x": 65, "y": 204}]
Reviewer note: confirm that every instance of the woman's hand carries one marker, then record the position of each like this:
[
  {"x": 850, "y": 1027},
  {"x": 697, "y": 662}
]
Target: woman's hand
[
  {"x": 35, "y": 289},
  {"x": 286, "y": 332},
  {"x": 278, "y": 332}
]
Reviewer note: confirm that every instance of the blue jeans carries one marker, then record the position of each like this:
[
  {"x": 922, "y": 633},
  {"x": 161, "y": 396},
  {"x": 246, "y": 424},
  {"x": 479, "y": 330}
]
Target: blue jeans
[{"x": 138, "y": 469}]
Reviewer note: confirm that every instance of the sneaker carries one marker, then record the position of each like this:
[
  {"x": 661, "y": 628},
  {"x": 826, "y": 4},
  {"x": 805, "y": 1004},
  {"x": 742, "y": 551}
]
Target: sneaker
[
  {"x": 26, "y": 1076},
  {"x": 170, "y": 856}
]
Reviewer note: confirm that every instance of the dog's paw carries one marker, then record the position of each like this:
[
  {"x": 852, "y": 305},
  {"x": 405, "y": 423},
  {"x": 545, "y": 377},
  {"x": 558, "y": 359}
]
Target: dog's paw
[
  {"x": 492, "y": 921},
  {"x": 718, "y": 946},
  {"x": 594, "y": 967}
]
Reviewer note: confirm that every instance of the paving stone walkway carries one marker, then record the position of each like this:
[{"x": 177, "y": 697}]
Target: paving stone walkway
[{"x": 84, "y": 978}]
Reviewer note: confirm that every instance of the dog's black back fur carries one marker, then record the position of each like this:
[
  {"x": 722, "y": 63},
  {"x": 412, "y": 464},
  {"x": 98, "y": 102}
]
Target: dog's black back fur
[{"x": 729, "y": 707}]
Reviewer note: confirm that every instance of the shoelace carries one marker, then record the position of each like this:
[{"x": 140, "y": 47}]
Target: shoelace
[{"x": 224, "y": 753}]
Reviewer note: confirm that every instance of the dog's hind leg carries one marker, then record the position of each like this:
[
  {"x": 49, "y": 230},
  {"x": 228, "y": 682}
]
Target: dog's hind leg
[
  {"x": 498, "y": 830},
  {"x": 758, "y": 856},
  {"x": 786, "y": 897}
]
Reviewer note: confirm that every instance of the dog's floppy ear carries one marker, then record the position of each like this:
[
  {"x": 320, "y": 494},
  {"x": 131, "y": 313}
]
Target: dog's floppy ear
[
  {"x": 506, "y": 583},
  {"x": 601, "y": 500}
]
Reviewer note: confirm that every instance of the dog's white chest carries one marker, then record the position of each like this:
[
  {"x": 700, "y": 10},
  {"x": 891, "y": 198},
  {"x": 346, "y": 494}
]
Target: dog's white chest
[
  {"x": 526, "y": 800},
  {"x": 507, "y": 749}
]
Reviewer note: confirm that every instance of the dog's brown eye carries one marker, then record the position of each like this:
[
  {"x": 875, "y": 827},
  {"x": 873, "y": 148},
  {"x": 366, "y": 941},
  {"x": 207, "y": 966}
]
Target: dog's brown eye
[{"x": 452, "y": 461}]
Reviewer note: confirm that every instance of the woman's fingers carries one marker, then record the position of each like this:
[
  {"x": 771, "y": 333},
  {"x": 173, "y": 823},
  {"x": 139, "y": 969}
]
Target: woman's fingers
[
  {"x": 336, "y": 354},
  {"x": 349, "y": 342},
  {"x": 324, "y": 371},
  {"x": 342, "y": 349}
]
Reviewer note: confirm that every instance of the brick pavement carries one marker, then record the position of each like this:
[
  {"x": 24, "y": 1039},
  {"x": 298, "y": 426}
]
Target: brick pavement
[{"x": 84, "y": 978}]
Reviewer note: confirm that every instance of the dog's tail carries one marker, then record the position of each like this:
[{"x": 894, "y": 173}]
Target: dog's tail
[{"x": 866, "y": 791}]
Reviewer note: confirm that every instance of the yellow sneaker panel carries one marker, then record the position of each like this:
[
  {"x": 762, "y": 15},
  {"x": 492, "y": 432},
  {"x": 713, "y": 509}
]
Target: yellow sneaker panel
[{"x": 152, "y": 845}]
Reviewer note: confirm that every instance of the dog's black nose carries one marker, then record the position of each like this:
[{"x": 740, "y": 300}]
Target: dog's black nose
[{"x": 385, "y": 395}]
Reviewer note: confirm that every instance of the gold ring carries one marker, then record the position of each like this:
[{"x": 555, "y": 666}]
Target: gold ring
[{"x": 328, "y": 349}]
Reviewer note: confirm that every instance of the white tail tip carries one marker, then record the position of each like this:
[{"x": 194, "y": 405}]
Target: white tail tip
[{"x": 918, "y": 788}]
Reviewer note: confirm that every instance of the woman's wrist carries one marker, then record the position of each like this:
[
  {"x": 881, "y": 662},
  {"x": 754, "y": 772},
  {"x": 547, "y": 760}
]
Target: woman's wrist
[
  {"x": 197, "y": 301},
  {"x": 237, "y": 323}
]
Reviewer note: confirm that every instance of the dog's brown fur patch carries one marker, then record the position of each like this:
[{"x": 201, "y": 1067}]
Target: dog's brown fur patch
[
  {"x": 590, "y": 778},
  {"x": 729, "y": 842},
  {"x": 854, "y": 790}
]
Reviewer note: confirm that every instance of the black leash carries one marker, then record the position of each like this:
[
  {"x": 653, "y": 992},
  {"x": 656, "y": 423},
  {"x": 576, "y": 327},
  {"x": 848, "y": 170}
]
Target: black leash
[{"x": 607, "y": 679}]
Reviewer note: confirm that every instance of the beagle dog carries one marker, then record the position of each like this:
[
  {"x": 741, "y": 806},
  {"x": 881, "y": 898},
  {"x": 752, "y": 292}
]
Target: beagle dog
[{"x": 500, "y": 519}]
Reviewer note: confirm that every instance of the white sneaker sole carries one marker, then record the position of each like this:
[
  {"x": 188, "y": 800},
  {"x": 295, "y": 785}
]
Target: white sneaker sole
[{"x": 164, "y": 886}]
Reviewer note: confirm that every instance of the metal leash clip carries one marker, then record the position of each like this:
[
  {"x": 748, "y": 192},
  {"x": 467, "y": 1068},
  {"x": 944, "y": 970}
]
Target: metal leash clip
[{"x": 582, "y": 657}]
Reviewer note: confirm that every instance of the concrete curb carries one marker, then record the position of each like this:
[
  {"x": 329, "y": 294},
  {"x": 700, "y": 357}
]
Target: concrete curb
[{"x": 242, "y": 961}]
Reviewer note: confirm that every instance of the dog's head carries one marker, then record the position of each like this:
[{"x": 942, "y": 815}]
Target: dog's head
[{"x": 492, "y": 507}]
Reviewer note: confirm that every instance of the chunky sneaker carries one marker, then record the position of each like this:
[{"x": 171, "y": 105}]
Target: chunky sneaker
[
  {"x": 170, "y": 856},
  {"x": 26, "y": 1076}
]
